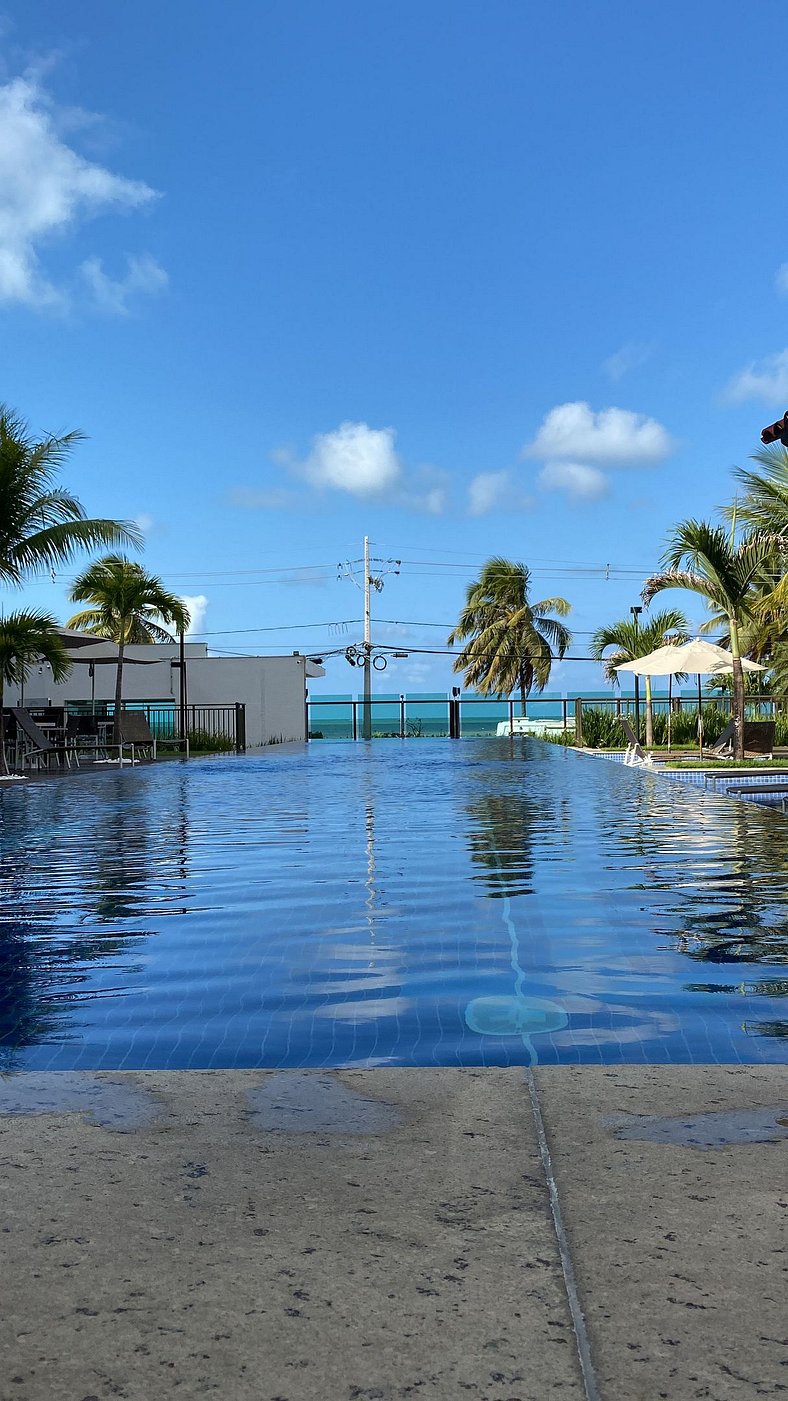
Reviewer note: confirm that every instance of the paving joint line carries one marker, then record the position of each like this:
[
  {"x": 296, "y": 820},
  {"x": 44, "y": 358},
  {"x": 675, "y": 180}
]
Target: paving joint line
[{"x": 582, "y": 1344}]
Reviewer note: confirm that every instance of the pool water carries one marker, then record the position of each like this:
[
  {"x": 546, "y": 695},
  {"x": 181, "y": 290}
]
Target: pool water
[{"x": 417, "y": 902}]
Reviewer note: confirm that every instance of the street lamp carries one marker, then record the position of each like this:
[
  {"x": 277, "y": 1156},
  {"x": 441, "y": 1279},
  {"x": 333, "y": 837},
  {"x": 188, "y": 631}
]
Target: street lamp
[{"x": 636, "y": 612}]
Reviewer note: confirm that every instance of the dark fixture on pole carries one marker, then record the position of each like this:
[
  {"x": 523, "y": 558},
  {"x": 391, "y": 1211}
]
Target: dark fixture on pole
[
  {"x": 454, "y": 713},
  {"x": 776, "y": 431},
  {"x": 636, "y": 612}
]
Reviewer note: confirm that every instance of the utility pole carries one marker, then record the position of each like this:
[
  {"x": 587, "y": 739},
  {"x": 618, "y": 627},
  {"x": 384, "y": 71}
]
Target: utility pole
[
  {"x": 366, "y": 714},
  {"x": 636, "y": 612},
  {"x": 362, "y": 655}
]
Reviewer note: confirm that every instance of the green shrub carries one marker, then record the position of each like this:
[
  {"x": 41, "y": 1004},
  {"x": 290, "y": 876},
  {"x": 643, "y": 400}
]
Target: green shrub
[
  {"x": 781, "y": 729},
  {"x": 601, "y": 729},
  {"x": 203, "y": 742}
]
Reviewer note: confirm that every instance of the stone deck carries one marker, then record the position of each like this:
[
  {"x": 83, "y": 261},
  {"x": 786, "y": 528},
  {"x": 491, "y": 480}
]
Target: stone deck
[{"x": 612, "y": 1234}]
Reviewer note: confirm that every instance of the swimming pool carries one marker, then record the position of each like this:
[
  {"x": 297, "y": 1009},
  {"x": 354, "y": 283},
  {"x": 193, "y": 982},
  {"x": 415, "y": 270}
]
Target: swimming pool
[{"x": 418, "y": 902}]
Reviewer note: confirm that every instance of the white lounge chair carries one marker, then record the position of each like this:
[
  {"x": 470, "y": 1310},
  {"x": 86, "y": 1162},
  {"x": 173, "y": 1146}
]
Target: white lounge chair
[{"x": 636, "y": 754}]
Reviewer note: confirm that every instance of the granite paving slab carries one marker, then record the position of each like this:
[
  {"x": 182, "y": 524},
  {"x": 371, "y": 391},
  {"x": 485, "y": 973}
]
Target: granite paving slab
[
  {"x": 673, "y": 1183},
  {"x": 282, "y": 1236}
]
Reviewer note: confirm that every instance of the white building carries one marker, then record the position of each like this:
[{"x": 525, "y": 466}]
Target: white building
[{"x": 271, "y": 689}]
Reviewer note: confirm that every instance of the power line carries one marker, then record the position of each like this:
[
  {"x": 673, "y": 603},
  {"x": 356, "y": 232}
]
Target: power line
[{"x": 279, "y": 627}]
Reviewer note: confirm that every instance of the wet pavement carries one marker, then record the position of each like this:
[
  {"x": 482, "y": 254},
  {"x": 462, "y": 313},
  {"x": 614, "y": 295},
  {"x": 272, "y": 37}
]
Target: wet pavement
[{"x": 497, "y": 1234}]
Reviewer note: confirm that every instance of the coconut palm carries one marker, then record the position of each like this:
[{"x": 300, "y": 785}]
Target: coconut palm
[
  {"x": 624, "y": 641},
  {"x": 42, "y": 525},
  {"x": 27, "y": 637},
  {"x": 511, "y": 643},
  {"x": 128, "y": 606},
  {"x": 764, "y": 505},
  {"x": 707, "y": 560}
]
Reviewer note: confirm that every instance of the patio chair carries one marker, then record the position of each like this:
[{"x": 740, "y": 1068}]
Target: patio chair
[
  {"x": 38, "y": 746},
  {"x": 135, "y": 729},
  {"x": 723, "y": 747},
  {"x": 635, "y": 754},
  {"x": 82, "y": 735},
  {"x": 758, "y": 740}
]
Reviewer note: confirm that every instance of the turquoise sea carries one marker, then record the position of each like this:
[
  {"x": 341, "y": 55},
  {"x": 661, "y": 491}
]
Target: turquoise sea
[{"x": 426, "y": 713}]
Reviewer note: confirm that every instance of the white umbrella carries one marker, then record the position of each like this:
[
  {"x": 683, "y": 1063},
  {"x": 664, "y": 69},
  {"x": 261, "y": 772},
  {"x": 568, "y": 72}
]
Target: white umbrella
[{"x": 704, "y": 658}]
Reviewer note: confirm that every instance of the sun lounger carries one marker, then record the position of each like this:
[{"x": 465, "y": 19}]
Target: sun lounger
[
  {"x": 758, "y": 739},
  {"x": 635, "y": 754},
  {"x": 31, "y": 731},
  {"x": 722, "y": 746},
  {"x": 40, "y": 746},
  {"x": 135, "y": 729}
]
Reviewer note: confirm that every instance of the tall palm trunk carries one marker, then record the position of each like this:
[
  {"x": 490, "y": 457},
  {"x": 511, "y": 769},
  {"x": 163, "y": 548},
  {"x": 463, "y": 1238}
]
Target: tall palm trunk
[
  {"x": 523, "y": 698},
  {"x": 649, "y": 715},
  {"x": 738, "y": 691},
  {"x": 116, "y": 725}
]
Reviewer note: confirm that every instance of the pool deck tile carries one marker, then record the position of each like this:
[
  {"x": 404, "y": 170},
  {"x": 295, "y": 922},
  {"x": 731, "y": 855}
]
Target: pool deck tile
[
  {"x": 386, "y": 1234},
  {"x": 679, "y": 1249},
  {"x": 282, "y": 1236}
]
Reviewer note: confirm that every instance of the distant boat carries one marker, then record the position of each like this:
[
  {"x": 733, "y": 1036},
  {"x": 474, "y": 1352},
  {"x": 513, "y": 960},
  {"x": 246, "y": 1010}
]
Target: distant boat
[{"x": 530, "y": 725}]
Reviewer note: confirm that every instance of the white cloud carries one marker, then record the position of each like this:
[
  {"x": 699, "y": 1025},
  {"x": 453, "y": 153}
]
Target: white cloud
[
  {"x": 144, "y": 522},
  {"x": 495, "y": 491},
  {"x": 765, "y": 380},
  {"x": 630, "y": 357},
  {"x": 355, "y": 458},
  {"x": 781, "y": 279},
  {"x": 143, "y": 276},
  {"x": 580, "y": 482},
  {"x": 359, "y": 461},
  {"x": 46, "y": 188},
  {"x": 611, "y": 437},
  {"x": 197, "y": 605}
]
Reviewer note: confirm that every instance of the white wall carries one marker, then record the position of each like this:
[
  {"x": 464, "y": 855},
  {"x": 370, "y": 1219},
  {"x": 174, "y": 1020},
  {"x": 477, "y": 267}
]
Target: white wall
[{"x": 272, "y": 689}]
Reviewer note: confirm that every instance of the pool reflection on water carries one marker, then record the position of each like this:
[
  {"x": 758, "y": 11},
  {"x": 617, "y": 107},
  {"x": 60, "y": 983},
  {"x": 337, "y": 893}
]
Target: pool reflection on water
[{"x": 407, "y": 903}]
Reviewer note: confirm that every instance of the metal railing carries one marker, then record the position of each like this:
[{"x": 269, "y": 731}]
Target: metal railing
[
  {"x": 415, "y": 716},
  {"x": 213, "y": 725},
  {"x": 209, "y": 728}
]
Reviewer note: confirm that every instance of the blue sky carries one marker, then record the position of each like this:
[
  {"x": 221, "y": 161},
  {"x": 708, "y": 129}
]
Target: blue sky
[{"x": 504, "y": 279}]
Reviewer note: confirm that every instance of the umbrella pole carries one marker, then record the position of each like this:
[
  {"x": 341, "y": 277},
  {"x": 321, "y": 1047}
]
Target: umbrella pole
[
  {"x": 700, "y": 719},
  {"x": 670, "y": 707}
]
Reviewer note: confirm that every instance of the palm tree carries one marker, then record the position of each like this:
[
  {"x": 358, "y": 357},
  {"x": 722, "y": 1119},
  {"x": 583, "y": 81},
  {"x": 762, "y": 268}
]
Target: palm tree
[
  {"x": 764, "y": 505},
  {"x": 511, "y": 643},
  {"x": 27, "y": 637},
  {"x": 41, "y": 525},
  {"x": 628, "y": 640},
  {"x": 707, "y": 560},
  {"x": 129, "y": 606}
]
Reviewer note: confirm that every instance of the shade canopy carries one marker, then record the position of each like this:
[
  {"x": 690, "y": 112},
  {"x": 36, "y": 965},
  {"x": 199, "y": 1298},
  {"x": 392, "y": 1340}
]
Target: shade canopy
[
  {"x": 106, "y": 650},
  {"x": 72, "y": 639},
  {"x": 704, "y": 658}
]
